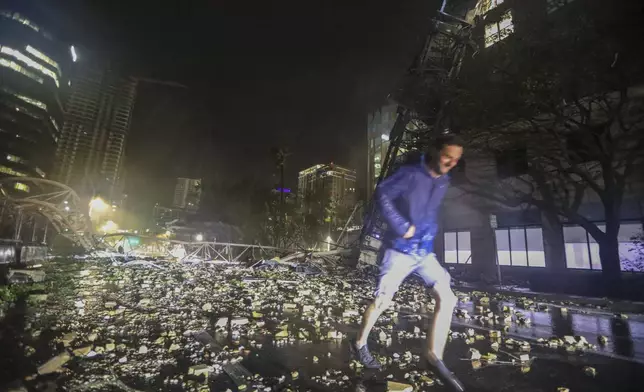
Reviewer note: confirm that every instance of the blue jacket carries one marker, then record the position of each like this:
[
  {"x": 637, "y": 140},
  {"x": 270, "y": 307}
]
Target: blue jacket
[{"x": 411, "y": 196}]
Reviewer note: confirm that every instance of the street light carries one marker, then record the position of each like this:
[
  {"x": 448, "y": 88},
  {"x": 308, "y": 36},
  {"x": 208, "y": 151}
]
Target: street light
[{"x": 199, "y": 237}]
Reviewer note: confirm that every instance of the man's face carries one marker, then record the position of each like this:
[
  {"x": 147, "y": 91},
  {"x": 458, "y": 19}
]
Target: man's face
[{"x": 448, "y": 158}]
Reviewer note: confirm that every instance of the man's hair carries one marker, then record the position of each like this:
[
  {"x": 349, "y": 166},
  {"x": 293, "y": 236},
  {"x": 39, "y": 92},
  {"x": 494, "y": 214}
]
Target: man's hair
[
  {"x": 449, "y": 139},
  {"x": 441, "y": 141}
]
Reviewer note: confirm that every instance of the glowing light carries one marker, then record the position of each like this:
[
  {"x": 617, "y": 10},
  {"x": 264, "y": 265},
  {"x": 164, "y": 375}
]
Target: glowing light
[
  {"x": 168, "y": 232},
  {"x": 72, "y": 50},
  {"x": 384, "y": 137},
  {"x": 199, "y": 237},
  {"x": 109, "y": 227},
  {"x": 97, "y": 205},
  {"x": 66, "y": 208},
  {"x": 11, "y": 172},
  {"x": 21, "y": 187}
]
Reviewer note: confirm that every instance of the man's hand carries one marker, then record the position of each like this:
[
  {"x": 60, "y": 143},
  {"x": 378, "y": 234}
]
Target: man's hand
[{"x": 410, "y": 232}]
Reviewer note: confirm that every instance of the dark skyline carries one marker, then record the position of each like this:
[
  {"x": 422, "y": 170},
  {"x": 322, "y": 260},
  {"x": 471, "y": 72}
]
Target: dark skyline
[{"x": 302, "y": 75}]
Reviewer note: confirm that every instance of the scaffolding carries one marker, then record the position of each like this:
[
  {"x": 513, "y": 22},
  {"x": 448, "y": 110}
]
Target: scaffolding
[{"x": 423, "y": 104}]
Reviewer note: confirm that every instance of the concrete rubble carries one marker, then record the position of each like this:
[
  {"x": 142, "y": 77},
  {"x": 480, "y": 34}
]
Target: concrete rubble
[{"x": 193, "y": 327}]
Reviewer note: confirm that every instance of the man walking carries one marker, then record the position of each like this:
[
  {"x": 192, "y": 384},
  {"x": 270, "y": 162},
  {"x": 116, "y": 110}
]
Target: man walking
[{"x": 409, "y": 201}]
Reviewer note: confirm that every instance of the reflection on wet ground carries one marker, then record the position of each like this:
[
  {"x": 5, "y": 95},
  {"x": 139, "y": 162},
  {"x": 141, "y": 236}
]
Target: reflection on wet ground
[
  {"x": 550, "y": 369},
  {"x": 625, "y": 336}
]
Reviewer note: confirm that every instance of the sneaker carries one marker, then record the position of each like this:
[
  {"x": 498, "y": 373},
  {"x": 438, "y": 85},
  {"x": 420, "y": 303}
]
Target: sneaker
[
  {"x": 446, "y": 375},
  {"x": 364, "y": 356}
]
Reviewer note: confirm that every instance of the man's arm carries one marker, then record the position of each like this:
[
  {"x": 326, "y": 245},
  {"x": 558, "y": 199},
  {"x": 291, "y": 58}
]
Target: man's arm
[{"x": 386, "y": 193}]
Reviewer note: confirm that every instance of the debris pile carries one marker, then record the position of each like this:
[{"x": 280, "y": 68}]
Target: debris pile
[{"x": 201, "y": 327}]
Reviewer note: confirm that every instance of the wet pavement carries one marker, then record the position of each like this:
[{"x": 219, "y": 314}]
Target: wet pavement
[
  {"x": 625, "y": 337},
  {"x": 142, "y": 319}
]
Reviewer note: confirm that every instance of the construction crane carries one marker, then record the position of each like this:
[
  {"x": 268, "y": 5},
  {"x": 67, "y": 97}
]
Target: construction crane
[{"x": 423, "y": 101}]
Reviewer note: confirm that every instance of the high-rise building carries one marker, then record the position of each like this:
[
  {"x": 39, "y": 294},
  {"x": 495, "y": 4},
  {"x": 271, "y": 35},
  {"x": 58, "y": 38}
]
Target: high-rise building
[
  {"x": 90, "y": 155},
  {"x": 379, "y": 125},
  {"x": 187, "y": 194},
  {"x": 33, "y": 82},
  {"x": 327, "y": 183}
]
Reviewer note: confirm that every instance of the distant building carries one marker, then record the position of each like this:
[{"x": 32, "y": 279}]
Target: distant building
[
  {"x": 163, "y": 215},
  {"x": 328, "y": 184},
  {"x": 90, "y": 156},
  {"x": 187, "y": 194},
  {"x": 379, "y": 125},
  {"x": 33, "y": 84}
]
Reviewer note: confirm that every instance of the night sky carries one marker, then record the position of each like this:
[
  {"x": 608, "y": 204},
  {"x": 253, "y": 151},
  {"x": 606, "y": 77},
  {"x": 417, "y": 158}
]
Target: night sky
[{"x": 299, "y": 74}]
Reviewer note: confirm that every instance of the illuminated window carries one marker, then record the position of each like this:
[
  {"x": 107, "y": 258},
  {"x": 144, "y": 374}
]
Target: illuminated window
[
  {"x": 24, "y": 98},
  {"x": 582, "y": 251},
  {"x": 17, "y": 17},
  {"x": 11, "y": 172},
  {"x": 458, "y": 247},
  {"x": 13, "y": 158},
  {"x": 486, "y": 5},
  {"x": 30, "y": 62},
  {"x": 554, "y": 5},
  {"x": 54, "y": 123},
  {"x": 498, "y": 31},
  {"x": 21, "y": 187},
  {"x": 520, "y": 247},
  {"x": 40, "y": 55},
  {"x": 18, "y": 68}
]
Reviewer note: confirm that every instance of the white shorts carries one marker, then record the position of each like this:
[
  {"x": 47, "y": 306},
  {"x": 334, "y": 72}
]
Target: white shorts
[{"x": 396, "y": 266}]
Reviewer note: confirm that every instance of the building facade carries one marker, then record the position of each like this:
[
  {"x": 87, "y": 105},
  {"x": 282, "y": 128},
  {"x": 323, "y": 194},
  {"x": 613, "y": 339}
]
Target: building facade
[
  {"x": 91, "y": 151},
  {"x": 33, "y": 85},
  {"x": 478, "y": 234},
  {"x": 187, "y": 194},
  {"x": 327, "y": 184},
  {"x": 163, "y": 215}
]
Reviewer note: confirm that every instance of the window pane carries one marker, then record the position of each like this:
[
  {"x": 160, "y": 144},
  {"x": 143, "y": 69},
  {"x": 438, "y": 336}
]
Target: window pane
[
  {"x": 594, "y": 256},
  {"x": 577, "y": 256},
  {"x": 517, "y": 243},
  {"x": 506, "y": 23},
  {"x": 450, "y": 248},
  {"x": 503, "y": 246},
  {"x": 536, "y": 254},
  {"x": 574, "y": 234},
  {"x": 576, "y": 247},
  {"x": 629, "y": 230},
  {"x": 630, "y": 256},
  {"x": 464, "y": 248}
]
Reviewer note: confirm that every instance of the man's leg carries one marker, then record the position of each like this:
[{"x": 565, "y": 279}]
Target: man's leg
[
  {"x": 371, "y": 315},
  {"x": 439, "y": 279},
  {"x": 395, "y": 267},
  {"x": 439, "y": 329}
]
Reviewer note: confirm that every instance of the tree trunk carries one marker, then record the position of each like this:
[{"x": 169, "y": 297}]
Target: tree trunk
[
  {"x": 553, "y": 241},
  {"x": 610, "y": 261}
]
